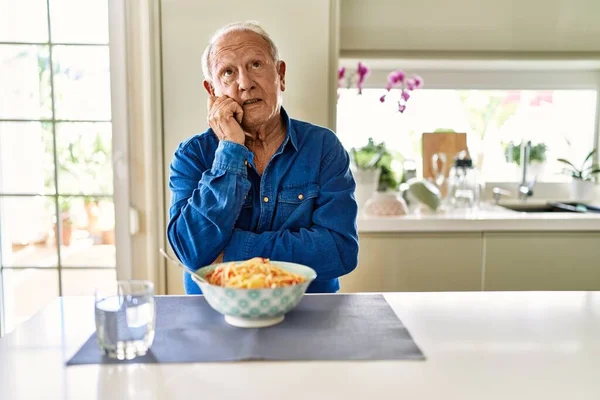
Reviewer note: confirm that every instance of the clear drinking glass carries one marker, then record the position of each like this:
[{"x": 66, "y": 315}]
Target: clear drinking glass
[{"x": 125, "y": 317}]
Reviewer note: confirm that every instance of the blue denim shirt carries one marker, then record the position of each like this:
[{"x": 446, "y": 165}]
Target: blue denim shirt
[{"x": 302, "y": 209}]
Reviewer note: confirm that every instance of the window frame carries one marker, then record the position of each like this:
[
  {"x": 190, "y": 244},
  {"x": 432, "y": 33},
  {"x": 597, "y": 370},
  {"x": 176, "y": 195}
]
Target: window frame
[{"x": 491, "y": 74}]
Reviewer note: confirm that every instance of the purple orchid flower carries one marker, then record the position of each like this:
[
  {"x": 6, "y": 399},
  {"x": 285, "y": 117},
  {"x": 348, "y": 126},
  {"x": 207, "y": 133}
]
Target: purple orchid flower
[
  {"x": 410, "y": 84},
  {"x": 341, "y": 73},
  {"x": 362, "y": 72},
  {"x": 418, "y": 81},
  {"x": 396, "y": 77}
]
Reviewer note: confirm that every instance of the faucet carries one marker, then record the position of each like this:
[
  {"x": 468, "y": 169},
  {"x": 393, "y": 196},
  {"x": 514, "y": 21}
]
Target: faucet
[{"x": 525, "y": 187}]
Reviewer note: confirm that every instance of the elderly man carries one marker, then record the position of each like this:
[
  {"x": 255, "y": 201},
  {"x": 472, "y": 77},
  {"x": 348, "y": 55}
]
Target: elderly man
[{"x": 258, "y": 183}]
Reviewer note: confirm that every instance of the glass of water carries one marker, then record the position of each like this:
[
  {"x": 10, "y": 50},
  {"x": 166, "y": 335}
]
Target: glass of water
[{"x": 125, "y": 316}]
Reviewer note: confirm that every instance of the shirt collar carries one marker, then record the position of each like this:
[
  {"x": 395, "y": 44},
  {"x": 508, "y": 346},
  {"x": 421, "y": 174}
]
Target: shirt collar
[{"x": 291, "y": 132}]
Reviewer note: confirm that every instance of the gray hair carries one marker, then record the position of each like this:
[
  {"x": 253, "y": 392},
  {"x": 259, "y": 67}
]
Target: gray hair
[{"x": 249, "y": 26}]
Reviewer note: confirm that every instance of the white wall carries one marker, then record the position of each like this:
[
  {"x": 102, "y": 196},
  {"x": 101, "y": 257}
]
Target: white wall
[
  {"x": 471, "y": 25},
  {"x": 300, "y": 29}
]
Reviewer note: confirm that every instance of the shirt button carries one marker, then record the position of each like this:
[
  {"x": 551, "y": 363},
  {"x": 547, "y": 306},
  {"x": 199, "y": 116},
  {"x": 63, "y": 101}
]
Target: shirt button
[
  {"x": 266, "y": 199},
  {"x": 300, "y": 196}
]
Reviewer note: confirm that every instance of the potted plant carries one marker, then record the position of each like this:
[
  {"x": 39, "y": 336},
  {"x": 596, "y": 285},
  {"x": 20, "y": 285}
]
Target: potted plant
[
  {"x": 366, "y": 170},
  {"x": 371, "y": 164},
  {"x": 376, "y": 182},
  {"x": 582, "y": 185},
  {"x": 537, "y": 157},
  {"x": 512, "y": 153},
  {"x": 372, "y": 157}
]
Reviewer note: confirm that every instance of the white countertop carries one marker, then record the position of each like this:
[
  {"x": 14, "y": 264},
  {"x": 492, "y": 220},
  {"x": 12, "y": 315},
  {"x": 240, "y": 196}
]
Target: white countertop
[
  {"x": 479, "y": 345},
  {"x": 489, "y": 218}
]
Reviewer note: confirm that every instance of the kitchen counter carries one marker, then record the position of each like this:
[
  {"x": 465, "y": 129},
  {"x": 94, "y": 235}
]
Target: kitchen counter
[
  {"x": 490, "y": 218},
  {"x": 479, "y": 345}
]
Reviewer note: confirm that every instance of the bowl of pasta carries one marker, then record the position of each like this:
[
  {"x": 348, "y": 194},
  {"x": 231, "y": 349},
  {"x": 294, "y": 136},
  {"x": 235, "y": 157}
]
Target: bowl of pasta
[{"x": 254, "y": 293}]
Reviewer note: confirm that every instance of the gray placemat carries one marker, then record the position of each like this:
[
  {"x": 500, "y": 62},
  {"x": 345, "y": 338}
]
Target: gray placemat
[{"x": 321, "y": 327}]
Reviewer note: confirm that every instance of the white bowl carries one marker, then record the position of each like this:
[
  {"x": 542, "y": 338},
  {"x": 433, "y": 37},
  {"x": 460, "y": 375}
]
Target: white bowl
[{"x": 255, "y": 308}]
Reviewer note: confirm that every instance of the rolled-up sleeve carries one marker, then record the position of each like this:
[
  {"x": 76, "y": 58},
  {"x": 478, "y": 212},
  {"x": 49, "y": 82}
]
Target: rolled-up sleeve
[{"x": 206, "y": 201}]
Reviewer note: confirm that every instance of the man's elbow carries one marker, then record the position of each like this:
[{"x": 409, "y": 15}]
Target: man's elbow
[
  {"x": 183, "y": 248},
  {"x": 177, "y": 245},
  {"x": 349, "y": 257},
  {"x": 184, "y": 243}
]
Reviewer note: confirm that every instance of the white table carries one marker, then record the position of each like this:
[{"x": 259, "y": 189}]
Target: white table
[{"x": 480, "y": 345}]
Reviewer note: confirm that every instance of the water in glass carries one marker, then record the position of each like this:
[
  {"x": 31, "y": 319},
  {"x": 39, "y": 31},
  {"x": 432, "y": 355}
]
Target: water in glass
[{"x": 125, "y": 319}]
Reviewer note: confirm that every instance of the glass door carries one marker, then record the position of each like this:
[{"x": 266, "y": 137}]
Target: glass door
[{"x": 57, "y": 210}]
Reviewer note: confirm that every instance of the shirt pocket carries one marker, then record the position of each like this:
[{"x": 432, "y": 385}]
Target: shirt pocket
[{"x": 295, "y": 206}]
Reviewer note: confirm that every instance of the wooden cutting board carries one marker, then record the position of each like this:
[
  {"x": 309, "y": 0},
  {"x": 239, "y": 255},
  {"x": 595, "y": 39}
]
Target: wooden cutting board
[{"x": 449, "y": 143}]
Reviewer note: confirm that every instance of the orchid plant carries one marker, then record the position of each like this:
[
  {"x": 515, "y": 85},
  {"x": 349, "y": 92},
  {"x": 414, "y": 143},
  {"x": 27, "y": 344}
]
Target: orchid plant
[
  {"x": 398, "y": 79},
  {"x": 359, "y": 76},
  {"x": 375, "y": 155},
  {"x": 589, "y": 169}
]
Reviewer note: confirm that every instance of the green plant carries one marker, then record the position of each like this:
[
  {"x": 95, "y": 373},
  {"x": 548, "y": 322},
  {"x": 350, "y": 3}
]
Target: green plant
[
  {"x": 83, "y": 161},
  {"x": 64, "y": 204},
  {"x": 587, "y": 171},
  {"x": 376, "y": 155},
  {"x": 512, "y": 153}
]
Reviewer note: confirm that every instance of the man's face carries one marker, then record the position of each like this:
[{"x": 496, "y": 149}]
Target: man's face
[{"x": 243, "y": 69}]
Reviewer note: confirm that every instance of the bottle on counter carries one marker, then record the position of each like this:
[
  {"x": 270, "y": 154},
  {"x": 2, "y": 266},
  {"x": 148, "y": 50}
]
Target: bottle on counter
[{"x": 464, "y": 184}]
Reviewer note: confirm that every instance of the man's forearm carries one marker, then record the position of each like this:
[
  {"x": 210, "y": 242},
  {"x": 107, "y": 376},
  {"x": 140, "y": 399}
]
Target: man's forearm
[
  {"x": 330, "y": 253},
  {"x": 204, "y": 213}
]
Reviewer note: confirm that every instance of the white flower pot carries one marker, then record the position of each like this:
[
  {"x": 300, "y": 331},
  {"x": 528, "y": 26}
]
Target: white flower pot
[
  {"x": 367, "y": 181},
  {"x": 582, "y": 190}
]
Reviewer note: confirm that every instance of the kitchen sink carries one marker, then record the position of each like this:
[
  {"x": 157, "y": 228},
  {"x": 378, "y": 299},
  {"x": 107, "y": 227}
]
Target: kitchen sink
[
  {"x": 537, "y": 208},
  {"x": 551, "y": 207}
]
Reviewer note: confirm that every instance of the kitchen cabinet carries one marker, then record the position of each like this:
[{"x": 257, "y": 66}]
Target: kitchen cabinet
[
  {"x": 512, "y": 260},
  {"x": 390, "y": 262},
  {"x": 542, "y": 261}
]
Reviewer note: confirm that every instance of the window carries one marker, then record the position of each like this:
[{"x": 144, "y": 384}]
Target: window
[
  {"x": 560, "y": 122},
  {"x": 56, "y": 181}
]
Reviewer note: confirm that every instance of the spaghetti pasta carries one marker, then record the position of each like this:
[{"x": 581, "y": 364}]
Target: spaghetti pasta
[{"x": 255, "y": 273}]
